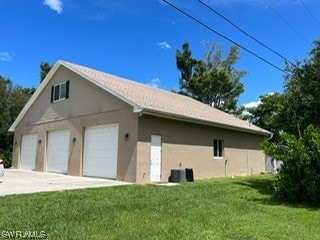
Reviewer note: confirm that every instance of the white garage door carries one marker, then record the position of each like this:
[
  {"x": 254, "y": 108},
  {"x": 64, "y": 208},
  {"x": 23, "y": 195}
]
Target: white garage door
[
  {"x": 101, "y": 151},
  {"x": 29, "y": 151},
  {"x": 58, "y": 151}
]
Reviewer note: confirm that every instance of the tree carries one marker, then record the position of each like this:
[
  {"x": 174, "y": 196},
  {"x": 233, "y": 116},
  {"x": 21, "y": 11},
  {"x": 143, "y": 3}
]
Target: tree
[
  {"x": 45, "y": 68},
  {"x": 5, "y": 118},
  {"x": 267, "y": 114},
  {"x": 302, "y": 89},
  {"x": 299, "y": 105},
  {"x": 211, "y": 80}
]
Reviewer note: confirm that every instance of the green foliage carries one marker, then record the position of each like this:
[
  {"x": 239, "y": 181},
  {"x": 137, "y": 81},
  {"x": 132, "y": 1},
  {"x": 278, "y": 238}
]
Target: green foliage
[
  {"x": 6, "y": 156},
  {"x": 45, "y": 68},
  {"x": 288, "y": 116},
  {"x": 267, "y": 114},
  {"x": 211, "y": 80},
  {"x": 5, "y": 116},
  {"x": 299, "y": 177},
  {"x": 302, "y": 89}
]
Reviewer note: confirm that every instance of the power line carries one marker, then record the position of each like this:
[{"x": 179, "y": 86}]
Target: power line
[
  {"x": 286, "y": 22},
  {"x": 308, "y": 10},
  {"x": 244, "y": 32},
  {"x": 225, "y": 37}
]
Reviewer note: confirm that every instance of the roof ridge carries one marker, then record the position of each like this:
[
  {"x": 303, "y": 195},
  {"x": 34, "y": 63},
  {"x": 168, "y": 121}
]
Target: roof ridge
[{"x": 115, "y": 76}]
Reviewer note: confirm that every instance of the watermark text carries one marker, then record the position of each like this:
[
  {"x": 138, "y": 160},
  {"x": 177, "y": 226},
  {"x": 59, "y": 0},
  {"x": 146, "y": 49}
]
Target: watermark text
[{"x": 14, "y": 234}]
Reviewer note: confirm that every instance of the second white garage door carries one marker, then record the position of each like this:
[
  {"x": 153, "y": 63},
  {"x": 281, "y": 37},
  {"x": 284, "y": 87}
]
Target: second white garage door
[
  {"x": 58, "y": 151},
  {"x": 101, "y": 151}
]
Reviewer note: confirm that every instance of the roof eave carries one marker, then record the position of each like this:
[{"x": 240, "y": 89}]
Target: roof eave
[{"x": 203, "y": 122}]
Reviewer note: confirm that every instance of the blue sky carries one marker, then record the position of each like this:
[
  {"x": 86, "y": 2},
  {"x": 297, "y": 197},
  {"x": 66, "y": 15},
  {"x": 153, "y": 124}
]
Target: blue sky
[{"x": 138, "y": 39}]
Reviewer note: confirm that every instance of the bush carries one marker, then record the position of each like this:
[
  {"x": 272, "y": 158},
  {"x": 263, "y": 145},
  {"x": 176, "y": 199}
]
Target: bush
[
  {"x": 299, "y": 177},
  {"x": 6, "y": 156}
]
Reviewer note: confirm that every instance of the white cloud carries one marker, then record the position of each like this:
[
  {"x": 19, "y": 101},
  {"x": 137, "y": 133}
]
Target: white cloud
[
  {"x": 252, "y": 104},
  {"x": 154, "y": 82},
  {"x": 256, "y": 103},
  {"x": 6, "y": 56},
  {"x": 164, "y": 45},
  {"x": 55, "y": 5}
]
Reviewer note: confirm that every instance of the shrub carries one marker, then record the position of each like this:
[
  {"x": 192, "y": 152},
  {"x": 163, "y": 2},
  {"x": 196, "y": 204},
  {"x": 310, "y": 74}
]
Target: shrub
[
  {"x": 299, "y": 177},
  {"x": 6, "y": 156}
]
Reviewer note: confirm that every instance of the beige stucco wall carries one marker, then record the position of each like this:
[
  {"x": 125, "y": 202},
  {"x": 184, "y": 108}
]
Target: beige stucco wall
[
  {"x": 127, "y": 121},
  {"x": 84, "y": 98},
  {"x": 87, "y": 106},
  {"x": 187, "y": 145}
]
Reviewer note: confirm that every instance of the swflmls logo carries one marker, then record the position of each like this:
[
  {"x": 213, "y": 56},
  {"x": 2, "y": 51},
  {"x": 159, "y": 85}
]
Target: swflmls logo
[{"x": 24, "y": 234}]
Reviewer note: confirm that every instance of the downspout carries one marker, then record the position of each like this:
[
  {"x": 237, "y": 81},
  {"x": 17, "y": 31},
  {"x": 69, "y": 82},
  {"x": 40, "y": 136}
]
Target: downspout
[
  {"x": 271, "y": 136},
  {"x": 225, "y": 167},
  {"x": 247, "y": 162}
]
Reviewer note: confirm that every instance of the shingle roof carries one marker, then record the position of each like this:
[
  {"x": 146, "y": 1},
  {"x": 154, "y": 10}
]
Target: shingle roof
[
  {"x": 146, "y": 99},
  {"x": 151, "y": 100}
]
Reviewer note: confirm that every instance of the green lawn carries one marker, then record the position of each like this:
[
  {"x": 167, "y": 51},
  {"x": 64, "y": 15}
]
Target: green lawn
[{"x": 240, "y": 208}]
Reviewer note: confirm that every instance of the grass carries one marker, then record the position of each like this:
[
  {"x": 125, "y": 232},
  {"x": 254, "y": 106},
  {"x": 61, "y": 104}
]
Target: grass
[{"x": 240, "y": 208}]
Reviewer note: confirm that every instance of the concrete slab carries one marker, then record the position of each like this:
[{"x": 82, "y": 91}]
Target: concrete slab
[{"x": 22, "y": 181}]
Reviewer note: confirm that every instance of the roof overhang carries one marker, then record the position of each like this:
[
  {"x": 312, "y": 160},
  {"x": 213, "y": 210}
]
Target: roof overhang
[{"x": 203, "y": 122}]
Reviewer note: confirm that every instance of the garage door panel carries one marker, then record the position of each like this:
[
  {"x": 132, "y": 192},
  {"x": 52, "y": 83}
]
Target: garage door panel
[
  {"x": 101, "y": 151},
  {"x": 58, "y": 151},
  {"x": 28, "y": 151}
]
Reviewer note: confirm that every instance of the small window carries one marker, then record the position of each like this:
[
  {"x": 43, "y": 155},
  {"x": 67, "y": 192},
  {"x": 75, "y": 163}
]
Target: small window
[
  {"x": 218, "y": 148},
  {"x": 63, "y": 89},
  {"x": 60, "y": 92},
  {"x": 56, "y": 93}
]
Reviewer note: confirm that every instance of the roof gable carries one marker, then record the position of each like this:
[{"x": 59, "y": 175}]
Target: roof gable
[
  {"x": 34, "y": 97},
  {"x": 150, "y": 100}
]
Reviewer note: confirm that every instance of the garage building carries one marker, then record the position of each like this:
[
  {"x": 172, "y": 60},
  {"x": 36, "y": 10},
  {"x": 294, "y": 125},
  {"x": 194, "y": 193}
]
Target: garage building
[{"x": 85, "y": 122}]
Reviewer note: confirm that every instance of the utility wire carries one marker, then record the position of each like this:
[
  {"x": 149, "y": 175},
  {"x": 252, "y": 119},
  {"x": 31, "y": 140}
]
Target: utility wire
[
  {"x": 245, "y": 33},
  {"x": 308, "y": 10},
  {"x": 225, "y": 37},
  {"x": 287, "y": 22}
]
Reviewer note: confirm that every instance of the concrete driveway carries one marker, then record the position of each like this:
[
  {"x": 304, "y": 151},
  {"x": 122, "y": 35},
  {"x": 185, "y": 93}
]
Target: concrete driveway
[{"x": 22, "y": 181}]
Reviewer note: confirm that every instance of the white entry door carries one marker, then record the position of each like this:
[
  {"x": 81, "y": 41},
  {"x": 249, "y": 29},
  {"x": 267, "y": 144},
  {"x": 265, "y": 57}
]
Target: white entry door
[
  {"x": 101, "y": 151},
  {"x": 155, "y": 168},
  {"x": 28, "y": 151},
  {"x": 58, "y": 151}
]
